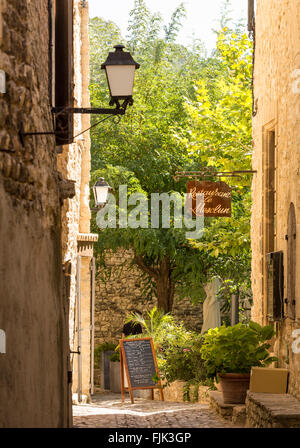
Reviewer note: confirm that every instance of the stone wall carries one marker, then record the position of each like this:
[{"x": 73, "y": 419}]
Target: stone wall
[
  {"x": 33, "y": 380},
  {"x": 277, "y": 100},
  {"x": 175, "y": 393},
  {"x": 74, "y": 164},
  {"x": 272, "y": 411},
  {"x": 122, "y": 294}
]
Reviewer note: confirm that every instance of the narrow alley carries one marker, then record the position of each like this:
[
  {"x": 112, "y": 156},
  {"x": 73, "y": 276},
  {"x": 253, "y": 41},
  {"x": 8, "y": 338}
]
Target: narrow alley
[{"x": 149, "y": 213}]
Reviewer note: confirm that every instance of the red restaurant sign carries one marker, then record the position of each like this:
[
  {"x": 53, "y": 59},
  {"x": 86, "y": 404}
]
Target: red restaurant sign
[{"x": 217, "y": 198}]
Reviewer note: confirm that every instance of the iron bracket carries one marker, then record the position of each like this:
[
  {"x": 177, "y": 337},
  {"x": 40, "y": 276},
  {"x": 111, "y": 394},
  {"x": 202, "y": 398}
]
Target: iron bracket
[{"x": 120, "y": 109}]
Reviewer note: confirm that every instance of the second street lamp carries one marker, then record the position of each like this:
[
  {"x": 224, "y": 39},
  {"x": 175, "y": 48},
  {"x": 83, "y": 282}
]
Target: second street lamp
[{"x": 101, "y": 190}]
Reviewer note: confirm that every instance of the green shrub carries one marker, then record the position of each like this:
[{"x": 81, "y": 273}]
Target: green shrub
[
  {"x": 104, "y": 347},
  {"x": 115, "y": 357},
  {"x": 181, "y": 357},
  {"x": 236, "y": 349}
]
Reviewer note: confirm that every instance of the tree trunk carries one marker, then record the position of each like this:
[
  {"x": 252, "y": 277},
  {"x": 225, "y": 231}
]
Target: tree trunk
[
  {"x": 165, "y": 287},
  {"x": 164, "y": 284}
]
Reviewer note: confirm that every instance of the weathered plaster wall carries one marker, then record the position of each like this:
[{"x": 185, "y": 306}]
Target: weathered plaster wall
[
  {"x": 33, "y": 380},
  {"x": 277, "y": 57}
]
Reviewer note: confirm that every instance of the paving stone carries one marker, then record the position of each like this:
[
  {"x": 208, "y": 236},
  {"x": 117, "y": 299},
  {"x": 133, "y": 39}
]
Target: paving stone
[{"x": 108, "y": 411}]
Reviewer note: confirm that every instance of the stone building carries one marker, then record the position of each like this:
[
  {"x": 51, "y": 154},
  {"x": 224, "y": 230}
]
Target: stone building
[
  {"x": 77, "y": 241},
  {"x": 276, "y": 187},
  {"x": 46, "y": 247}
]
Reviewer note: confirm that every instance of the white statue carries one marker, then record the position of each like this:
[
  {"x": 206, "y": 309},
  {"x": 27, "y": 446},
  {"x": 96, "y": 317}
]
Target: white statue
[{"x": 211, "y": 306}]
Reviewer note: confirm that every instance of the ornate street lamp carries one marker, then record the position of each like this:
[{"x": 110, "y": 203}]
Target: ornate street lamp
[
  {"x": 120, "y": 70},
  {"x": 101, "y": 190}
]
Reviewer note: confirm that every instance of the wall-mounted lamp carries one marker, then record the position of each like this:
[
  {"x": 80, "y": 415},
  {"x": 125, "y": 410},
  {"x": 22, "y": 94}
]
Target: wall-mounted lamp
[
  {"x": 101, "y": 190},
  {"x": 120, "y": 71}
]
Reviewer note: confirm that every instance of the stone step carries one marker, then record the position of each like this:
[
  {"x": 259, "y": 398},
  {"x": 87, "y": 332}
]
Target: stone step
[
  {"x": 239, "y": 415},
  {"x": 233, "y": 412}
]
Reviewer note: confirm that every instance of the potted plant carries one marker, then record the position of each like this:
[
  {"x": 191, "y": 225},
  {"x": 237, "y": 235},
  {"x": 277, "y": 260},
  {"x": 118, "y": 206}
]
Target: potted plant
[{"x": 230, "y": 352}]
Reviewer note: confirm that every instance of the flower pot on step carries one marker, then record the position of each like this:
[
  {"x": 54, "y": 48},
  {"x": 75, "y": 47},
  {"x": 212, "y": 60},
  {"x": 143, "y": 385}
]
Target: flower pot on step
[{"x": 234, "y": 387}]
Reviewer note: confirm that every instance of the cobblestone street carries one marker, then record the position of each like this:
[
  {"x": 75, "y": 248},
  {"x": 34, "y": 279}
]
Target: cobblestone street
[{"x": 107, "y": 411}]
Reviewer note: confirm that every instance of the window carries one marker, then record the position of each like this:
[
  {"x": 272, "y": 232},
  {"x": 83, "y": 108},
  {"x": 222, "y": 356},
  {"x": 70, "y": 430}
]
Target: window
[
  {"x": 291, "y": 263},
  {"x": 61, "y": 45}
]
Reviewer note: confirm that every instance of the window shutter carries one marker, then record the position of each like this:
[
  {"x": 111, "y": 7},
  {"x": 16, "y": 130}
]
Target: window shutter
[
  {"x": 275, "y": 289},
  {"x": 64, "y": 69},
  {"x": 291, "y": 263},
  {"x": 251, "y": 15}
]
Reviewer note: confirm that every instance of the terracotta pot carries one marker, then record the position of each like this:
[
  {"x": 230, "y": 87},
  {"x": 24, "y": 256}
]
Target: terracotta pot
[
  {"x": 218, "y": 386},
  {"x": 234, "y": 387}
]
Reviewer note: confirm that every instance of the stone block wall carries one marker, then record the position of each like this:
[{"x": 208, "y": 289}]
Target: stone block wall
[
  {"x": 277, "y": 105},
  {"x": 33, "y": 380},
  {"x": 272, "y": 411},
  {"x": 175, "y": 393},
  {"x": 74, "y": 164},
  {"x": 122, "y": 294}
]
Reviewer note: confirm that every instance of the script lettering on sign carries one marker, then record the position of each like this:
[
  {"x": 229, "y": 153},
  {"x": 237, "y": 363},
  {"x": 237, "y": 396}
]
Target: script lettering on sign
[{"x": 217, "y": 198}]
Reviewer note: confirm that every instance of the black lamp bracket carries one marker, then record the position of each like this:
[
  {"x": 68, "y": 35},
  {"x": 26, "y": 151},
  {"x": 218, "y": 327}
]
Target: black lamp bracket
[{"x": 120, "y": 109}]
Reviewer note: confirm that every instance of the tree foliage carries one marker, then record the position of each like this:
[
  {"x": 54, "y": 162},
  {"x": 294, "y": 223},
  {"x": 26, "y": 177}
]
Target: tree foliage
[{"x": 189, "y": 112}]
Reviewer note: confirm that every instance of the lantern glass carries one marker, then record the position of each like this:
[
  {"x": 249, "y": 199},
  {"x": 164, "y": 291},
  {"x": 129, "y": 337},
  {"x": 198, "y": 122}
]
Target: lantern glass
[
  {"x": 101, "y": 190},
  {"x": 120, "y": 69},
  {"x": 120, "y": 80}
]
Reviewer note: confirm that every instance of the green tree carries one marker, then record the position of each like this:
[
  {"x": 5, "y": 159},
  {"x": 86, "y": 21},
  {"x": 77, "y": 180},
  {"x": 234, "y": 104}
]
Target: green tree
[
  {"x": 221, "y": 140},
  {"x": 179, "y": 94}
]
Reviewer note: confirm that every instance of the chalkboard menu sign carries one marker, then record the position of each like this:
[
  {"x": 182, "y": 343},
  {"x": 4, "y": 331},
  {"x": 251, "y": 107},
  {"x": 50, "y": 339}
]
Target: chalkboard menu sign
[{"x": 139, "y": 362}]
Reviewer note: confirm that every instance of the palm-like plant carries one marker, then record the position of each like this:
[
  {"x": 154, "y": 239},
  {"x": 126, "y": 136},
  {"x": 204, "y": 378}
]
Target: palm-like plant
[{"x": 154, "y": 324}]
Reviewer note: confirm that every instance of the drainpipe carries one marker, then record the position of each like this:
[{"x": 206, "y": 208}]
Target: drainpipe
[
  {"x": 92, "y": 267},
  {"x": 79, "y": 385}
]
